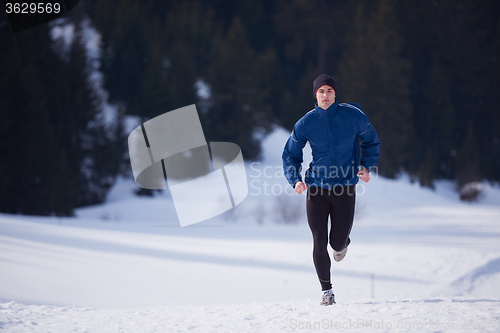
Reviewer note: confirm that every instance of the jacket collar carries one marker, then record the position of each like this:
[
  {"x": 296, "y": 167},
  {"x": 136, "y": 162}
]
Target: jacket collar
[{"x": 331, "y": 111}]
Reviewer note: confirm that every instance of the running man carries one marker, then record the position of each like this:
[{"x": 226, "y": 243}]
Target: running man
[{"x": 345, "y": 147}]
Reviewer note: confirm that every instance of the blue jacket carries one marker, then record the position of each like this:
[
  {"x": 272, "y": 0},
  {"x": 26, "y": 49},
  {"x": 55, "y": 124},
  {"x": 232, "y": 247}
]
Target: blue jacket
[{"x": 333, "y": 135}]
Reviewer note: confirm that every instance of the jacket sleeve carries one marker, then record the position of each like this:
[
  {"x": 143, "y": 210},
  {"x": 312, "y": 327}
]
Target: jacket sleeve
[
  {"x": 369, "y": 143},
  {"x": 292, "y": 154}
]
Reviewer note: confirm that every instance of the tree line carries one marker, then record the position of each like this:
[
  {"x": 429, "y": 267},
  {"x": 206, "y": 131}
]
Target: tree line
[{"x": 426, "y": 73}]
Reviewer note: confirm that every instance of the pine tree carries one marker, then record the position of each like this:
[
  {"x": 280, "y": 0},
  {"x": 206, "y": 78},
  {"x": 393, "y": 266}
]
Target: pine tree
[
  {"x": 33, "y": 166},
  {"x": 50, "y": 132},
  {"x": 439, "y": 121},
  {"x": 374, "y": 74},
  {"x": 126, "y": 31},
  {"x": 309, "y": 40},
  {"x": 453, "y": 82},
  {"x": 234, "y": 90}
]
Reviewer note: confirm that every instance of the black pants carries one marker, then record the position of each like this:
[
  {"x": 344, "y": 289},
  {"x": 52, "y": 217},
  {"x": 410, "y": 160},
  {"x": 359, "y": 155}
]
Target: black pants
[{"x": 338, "y": 204}]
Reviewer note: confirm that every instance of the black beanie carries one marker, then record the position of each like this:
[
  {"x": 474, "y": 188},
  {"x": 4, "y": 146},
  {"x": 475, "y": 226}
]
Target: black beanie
[{"x": 322, "y": 80}]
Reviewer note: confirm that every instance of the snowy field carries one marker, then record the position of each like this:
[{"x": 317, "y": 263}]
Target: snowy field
[{"x": 420, "y": 260}]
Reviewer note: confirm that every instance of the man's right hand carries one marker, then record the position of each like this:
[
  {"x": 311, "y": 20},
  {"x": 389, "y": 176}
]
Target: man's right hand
[{"x": 300, "y": 187}]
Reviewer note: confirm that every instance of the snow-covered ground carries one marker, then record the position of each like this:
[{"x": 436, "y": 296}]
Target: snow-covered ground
[{"x": 420, "y": 260}]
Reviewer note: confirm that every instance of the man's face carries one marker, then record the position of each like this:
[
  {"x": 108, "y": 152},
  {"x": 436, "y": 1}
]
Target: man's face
[{"x": 325, "y": 96}]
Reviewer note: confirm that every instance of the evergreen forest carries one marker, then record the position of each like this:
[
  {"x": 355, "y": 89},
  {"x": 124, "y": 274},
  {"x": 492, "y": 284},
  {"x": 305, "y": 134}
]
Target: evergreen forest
[{"x": 425, "y": 72}]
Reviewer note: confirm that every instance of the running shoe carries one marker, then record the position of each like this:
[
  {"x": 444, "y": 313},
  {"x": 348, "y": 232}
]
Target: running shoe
[
  {"x": 328, "y": 298},
  {"x": 338, "y": 256}
]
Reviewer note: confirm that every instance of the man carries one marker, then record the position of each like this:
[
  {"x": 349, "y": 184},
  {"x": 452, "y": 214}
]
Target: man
[{"x": 336, "y": 132}]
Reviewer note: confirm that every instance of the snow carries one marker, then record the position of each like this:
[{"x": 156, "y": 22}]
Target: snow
[
  {"x": 420, "y": 260},
  {"x": 62, "y": 33},
  {"x": 202, "y": 89},
  {"x": 437, "y": 314}
]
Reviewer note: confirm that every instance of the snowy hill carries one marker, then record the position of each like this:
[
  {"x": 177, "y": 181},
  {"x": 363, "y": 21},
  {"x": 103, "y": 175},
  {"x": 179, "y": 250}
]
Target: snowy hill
[{"x": 420, "y": 259}]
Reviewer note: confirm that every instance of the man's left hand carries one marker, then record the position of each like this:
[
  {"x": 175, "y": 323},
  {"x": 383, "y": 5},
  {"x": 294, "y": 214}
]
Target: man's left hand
[{"x": 364, "y": 175}]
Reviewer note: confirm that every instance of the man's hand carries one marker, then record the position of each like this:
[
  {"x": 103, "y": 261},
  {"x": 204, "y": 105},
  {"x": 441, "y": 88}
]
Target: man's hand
[
  {"x": 300, "y": 187},
  {"x": 364, "y": 175}
]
